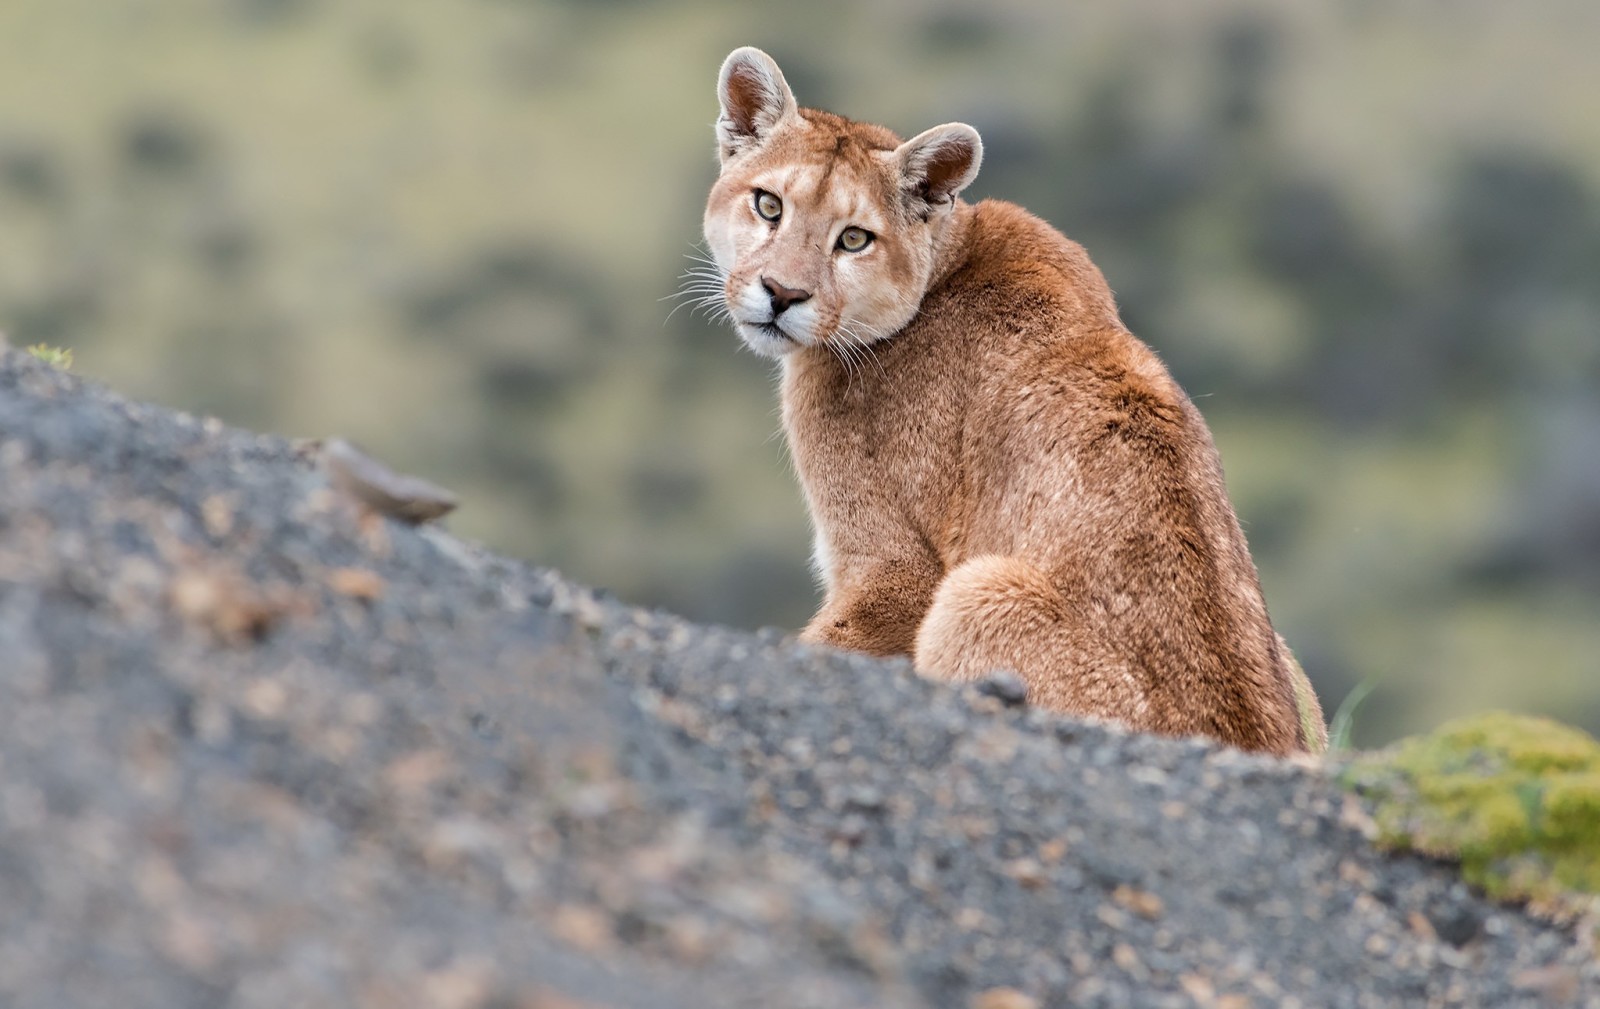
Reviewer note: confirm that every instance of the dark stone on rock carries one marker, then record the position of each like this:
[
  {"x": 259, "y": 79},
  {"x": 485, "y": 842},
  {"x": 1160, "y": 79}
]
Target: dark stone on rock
[
  {"x": 1458, "y": 921},
  {"x": 1004, "y": 686}
]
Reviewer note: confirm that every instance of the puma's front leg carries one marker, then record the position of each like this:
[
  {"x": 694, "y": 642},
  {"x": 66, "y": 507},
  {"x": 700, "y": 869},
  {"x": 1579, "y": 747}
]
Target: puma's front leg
[{"x": 876, "y": 607}]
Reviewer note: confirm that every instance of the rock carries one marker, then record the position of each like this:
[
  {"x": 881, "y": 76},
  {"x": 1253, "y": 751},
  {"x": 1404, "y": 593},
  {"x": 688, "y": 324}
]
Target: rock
[{"x": 252, "y": 754}]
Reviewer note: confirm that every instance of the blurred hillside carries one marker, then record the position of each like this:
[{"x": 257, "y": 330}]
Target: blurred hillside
[{"x": 1366, "y": 237}]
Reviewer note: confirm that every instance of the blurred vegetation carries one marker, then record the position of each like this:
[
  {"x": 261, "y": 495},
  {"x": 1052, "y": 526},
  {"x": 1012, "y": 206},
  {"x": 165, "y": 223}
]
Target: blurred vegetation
[{"x": 1365, "y": 236}]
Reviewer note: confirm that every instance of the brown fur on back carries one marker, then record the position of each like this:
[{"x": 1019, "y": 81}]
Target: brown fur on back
[{"x": 1008, "y": 478}]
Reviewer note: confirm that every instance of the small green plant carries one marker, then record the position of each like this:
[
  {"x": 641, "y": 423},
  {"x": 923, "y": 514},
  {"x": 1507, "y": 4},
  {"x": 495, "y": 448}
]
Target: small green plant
[
  {"x": 1344, "y": 719},
  {"x": 1515, "y": 799},
  {"x": 56, "y": 357}
]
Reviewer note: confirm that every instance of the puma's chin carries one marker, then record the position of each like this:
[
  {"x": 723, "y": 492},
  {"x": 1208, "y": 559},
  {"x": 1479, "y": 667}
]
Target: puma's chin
[{"x": 770, "y": 339}]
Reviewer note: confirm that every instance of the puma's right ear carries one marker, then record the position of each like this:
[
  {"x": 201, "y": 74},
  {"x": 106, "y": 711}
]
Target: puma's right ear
[
  {"x": 937, "y": 164},
  {"x": 755, "y": 99}
]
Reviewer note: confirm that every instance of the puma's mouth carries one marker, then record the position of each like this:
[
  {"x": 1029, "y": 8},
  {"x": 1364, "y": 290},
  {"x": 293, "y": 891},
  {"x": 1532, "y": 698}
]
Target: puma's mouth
[
  {"x": 769, "y": 339},
  {"x": 773, "y": 329}
]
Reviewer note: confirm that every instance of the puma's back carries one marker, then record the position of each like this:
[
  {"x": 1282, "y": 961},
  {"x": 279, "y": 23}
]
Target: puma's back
[{"x": 999, "y": 475}]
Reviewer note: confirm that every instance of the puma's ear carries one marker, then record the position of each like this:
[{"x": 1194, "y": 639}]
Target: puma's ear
[
  {"x": 937, "y": 164},
  {"x": 755, "y": 99}
]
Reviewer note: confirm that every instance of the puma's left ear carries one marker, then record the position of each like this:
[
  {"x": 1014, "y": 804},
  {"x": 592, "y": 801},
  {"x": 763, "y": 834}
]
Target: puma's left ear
[
  {"x": 938, "y": 164},
  {"x": 755, "y": 99}
]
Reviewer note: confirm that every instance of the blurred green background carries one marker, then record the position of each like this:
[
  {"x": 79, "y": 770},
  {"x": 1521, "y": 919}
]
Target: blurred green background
[{"x": 1365, "y": 236}]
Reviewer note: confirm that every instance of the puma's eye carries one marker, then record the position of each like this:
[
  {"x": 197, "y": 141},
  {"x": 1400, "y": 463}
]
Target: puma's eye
[
  {"x": 855, "y": 239},
  {"x": 768, "y": 206}
]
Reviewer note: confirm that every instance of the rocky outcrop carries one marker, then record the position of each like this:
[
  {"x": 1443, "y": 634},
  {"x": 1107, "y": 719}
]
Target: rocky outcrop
[{"x": 260, "y": 749}]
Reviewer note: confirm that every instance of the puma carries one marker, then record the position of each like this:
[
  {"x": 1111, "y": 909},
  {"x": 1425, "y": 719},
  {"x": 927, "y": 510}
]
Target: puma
[{"x": 999, "y": 474}]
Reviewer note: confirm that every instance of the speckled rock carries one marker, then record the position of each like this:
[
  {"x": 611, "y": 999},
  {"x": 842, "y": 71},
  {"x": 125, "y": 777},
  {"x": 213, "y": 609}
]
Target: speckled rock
[{"x": 259, "y": 748}]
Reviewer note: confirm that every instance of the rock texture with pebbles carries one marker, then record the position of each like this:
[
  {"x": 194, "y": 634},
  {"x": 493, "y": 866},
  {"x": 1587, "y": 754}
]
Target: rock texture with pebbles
[{"x": 259, "y": 747}]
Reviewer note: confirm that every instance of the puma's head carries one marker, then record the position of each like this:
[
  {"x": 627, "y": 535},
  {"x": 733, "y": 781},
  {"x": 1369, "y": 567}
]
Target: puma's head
[{"x": 824, "y": 230}]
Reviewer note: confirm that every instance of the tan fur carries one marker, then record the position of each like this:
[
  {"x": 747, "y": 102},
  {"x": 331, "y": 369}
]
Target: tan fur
[{"x": 1000, "y": 475}]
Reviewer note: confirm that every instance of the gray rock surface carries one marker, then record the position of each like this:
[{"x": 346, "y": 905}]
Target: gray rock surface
[{"x": 259, "y": 750}]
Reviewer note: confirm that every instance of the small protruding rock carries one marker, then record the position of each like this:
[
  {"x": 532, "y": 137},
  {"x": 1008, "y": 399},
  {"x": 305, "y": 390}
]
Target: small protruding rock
[{"x": 408, "y": 498}]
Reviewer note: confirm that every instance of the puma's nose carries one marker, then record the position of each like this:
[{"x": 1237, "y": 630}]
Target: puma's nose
[{"x": 783, "y": 297}]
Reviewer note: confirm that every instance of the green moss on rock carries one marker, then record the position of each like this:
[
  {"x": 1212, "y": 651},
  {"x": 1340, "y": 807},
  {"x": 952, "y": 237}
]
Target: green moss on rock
[
  {"x": 56, "y": 357},
  {"x": 1515, "y": 799}
]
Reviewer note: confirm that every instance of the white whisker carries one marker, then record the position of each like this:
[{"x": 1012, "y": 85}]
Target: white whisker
[
  {"x": 702, "y": 288},
  {"x": 839, "y": 352},
  {"x": 849, "y": 331}
]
